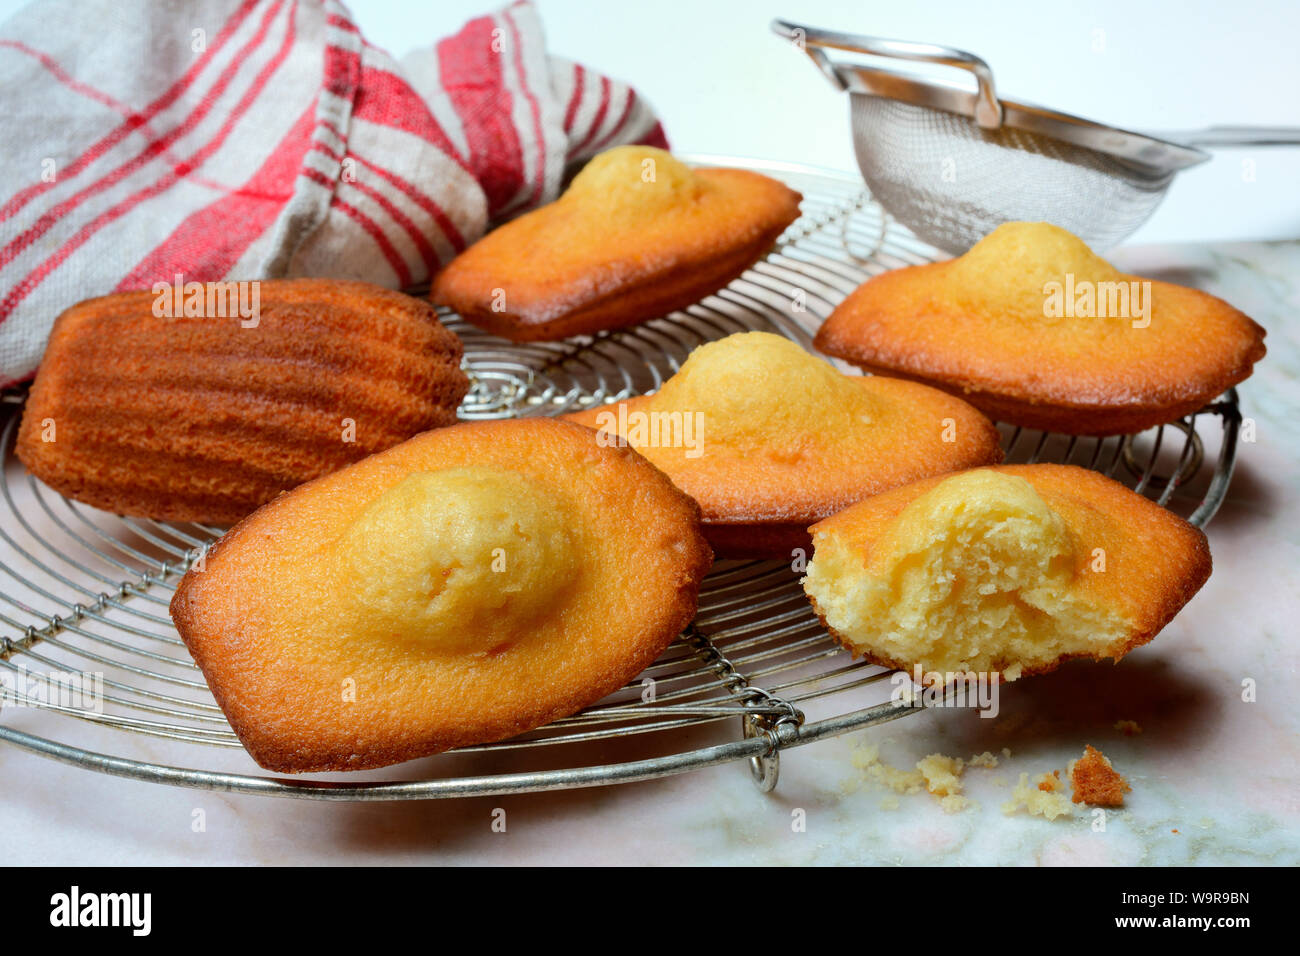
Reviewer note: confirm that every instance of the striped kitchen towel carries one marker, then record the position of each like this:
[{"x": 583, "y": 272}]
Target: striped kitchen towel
[{"x": 211, "y": 139}]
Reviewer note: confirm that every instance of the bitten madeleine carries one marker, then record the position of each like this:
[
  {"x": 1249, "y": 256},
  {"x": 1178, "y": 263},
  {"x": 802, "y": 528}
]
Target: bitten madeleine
[
  {"x": 636, "y": 235},
  {"x": 206, "y": 415},
  {"x": 1034, "y": 329},
  {"x": 465, "y": 586},
  {"x": 769, "y": 439},
  {"x": 1007, "y": 570}
]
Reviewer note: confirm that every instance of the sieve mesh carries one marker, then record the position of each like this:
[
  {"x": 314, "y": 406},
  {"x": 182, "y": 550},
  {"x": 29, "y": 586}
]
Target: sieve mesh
[{"x": 951, "y": 182}]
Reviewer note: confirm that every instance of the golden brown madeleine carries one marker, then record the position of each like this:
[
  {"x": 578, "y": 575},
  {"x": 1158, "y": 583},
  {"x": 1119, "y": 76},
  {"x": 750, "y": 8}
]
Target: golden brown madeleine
[
  {"x": 636, "y": 235},
  {"x": 1034, "y": 329},
  {"x": 1008, "y": 570},
  {"x": 205, "y": 418},
  {"x": 465, "y": 586},
  {"x": 769, "y": 439}
]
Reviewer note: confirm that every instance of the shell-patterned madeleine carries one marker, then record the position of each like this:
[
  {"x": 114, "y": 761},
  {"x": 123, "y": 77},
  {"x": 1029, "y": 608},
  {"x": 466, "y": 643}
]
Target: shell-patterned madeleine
[{"x": 204, "y": 414}]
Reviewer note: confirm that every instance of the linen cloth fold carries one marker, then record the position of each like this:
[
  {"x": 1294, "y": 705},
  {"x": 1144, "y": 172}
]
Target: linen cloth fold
[{"x": 245, "y": 139}]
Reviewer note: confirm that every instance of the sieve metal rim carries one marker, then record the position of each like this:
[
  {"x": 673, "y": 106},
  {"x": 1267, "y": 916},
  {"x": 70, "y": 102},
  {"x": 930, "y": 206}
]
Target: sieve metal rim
[{"x": 1143, "y": 152}]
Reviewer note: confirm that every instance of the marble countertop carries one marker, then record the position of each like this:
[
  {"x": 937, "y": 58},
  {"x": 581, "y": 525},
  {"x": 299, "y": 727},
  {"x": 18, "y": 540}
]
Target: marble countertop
[{"x": 1215, "y": 779}]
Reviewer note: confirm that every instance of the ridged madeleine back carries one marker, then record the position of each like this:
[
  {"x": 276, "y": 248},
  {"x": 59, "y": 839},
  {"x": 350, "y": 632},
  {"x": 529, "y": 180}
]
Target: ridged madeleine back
[{"x": 205, "y": 419}]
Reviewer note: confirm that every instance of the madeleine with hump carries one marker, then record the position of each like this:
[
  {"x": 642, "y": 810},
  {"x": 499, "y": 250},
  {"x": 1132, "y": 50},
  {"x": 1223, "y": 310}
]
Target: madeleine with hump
[
  {"x": 769, "y": 438},
  {"x": 637, "y": 234},
  {"x": 1034, "y": 329},
  {"x": 466, "y": 586},
  {"x": 1007, "y": 571}
]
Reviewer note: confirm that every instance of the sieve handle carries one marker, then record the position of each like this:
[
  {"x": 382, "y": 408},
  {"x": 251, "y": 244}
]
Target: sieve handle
[
  {"x": 1235, "y": 136},
  {"x": 814, "y": 42}
]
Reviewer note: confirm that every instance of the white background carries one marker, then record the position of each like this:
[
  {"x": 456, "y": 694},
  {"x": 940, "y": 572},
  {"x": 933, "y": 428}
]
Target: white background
[{"x": 724, "y": 84}]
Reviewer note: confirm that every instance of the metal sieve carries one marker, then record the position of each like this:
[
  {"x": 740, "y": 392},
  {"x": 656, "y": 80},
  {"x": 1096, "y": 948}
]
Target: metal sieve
[{"x": 952, "y": 163}]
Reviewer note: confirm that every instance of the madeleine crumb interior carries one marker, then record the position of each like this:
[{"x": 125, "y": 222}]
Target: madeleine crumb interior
[{"x": 1007, "y": 570}]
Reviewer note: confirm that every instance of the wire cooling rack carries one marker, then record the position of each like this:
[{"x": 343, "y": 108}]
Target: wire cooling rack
[{"x": 93, "y": 673}]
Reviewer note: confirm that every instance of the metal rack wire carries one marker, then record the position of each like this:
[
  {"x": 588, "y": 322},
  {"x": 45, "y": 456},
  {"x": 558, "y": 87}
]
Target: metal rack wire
[{"x": 83, "y": 592}]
